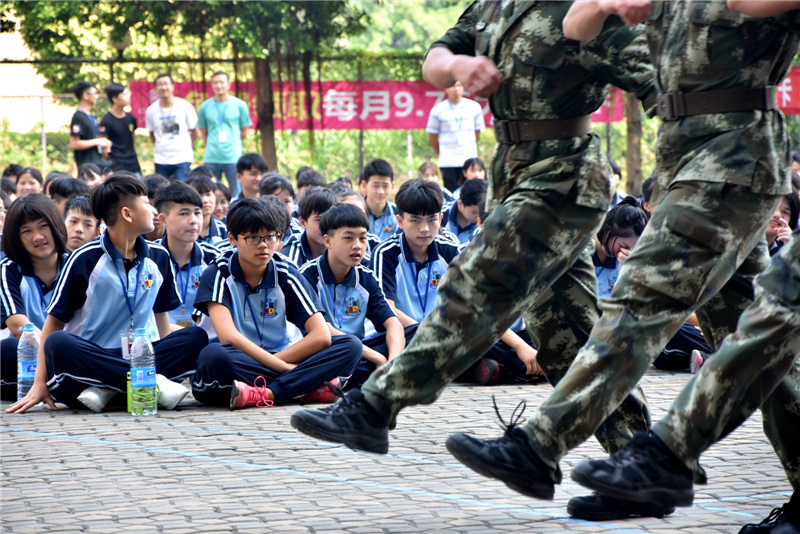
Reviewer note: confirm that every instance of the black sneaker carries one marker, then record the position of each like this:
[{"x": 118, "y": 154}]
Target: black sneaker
[
  {"x": 596, "y": 507},
  {"x": 509, "y": 459},
  {"x": 351, "y": 422},
  {"x": 644, "y": 471},
  {"x": 783, "y": 520}
]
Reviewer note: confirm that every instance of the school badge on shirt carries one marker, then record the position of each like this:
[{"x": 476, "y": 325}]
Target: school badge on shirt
[
  {"x": 435, "y": 278},
  {"x": 147, "y": 281},
  {"x": 353, "y": 306},
  {"x": 270, "y": 308},
  {"x": 389, "y": 229},
  {"x": 196, "y": 281}
]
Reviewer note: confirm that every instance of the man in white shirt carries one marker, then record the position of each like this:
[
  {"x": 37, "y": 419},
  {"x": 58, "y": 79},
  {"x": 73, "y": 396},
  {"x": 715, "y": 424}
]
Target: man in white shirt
[
  {"x": 454, "y": 127},
  {"x": 172, "y": 122}
]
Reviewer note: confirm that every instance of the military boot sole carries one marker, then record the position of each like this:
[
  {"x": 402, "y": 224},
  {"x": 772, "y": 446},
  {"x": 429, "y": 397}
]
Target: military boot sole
[
  {"x": 582, "y": 474},
  {"x": 308, "y": 424}
]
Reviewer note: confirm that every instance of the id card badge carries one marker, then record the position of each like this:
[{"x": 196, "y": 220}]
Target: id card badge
[
  {"x": 126, "y": 341},
  {"x": 222, "y": 136},
  {"x": 183, "y": 320}
]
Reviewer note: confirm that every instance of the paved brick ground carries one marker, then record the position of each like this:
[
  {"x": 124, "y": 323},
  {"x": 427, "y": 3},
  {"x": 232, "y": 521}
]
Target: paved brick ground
[{"x": 199, "y": 469}]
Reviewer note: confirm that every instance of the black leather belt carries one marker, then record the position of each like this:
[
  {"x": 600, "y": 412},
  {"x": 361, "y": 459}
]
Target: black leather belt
[
  {"x": 673, "y": 106},
  {"x": 510, "y": 132}
]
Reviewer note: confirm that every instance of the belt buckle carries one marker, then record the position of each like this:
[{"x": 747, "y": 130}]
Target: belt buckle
[
  {"x": 671, "y": 106},
  {"x": 501, "y": 132}
]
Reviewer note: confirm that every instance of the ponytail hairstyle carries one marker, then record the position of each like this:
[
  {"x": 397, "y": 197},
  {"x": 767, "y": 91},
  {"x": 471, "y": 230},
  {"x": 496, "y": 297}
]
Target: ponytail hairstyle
[{"x": 626, "y": 219}]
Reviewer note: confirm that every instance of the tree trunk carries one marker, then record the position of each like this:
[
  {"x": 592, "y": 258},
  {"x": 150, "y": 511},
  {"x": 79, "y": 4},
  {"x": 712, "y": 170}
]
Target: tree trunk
[
  {"x": 633, "y": 113},
  {"x": 265, "y": 109}
]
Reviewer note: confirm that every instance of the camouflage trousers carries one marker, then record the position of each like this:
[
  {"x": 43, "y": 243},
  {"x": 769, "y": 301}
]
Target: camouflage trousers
[
  {"x": 757, "y": 366},
  {"x": 700, "y": 250},
  {"x": 531, "y": 259}
]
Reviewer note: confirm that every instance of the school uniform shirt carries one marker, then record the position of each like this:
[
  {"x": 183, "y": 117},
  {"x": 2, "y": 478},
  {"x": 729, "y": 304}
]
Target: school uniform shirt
[
  {"x": 120, "y": 133},
  {"x": 348, "y": 304},
  {"x": 187, "y": 278},
  {"x": 216, "y": 233},
  {"x": 84, "y": 126},
  {"x": 412, "y": 285},
  {"x": 383, "y": 226},
  {"x": 607, "y": 274},
  {"x": 297, "y": 249},
  {"x": 261, "y": 312},
  {"x": 22, "y": 292},
  {"x": 98, "y": 288},
  {"x": 295, "y": 228},
  {"x": 450, "y": 219}
]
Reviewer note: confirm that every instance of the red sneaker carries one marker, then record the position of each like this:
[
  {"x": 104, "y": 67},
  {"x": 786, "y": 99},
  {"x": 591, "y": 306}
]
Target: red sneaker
[
  {"x": 486, "y": 372},
  {"x": 244, "y": 396},
  {"x": 327, "y": 392}
]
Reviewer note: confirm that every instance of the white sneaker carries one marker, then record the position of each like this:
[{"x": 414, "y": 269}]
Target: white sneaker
[
  {"x": 696, "y": 361},
  {"x": 96, "y": 398},
  {"x": 170, "y": 393}
]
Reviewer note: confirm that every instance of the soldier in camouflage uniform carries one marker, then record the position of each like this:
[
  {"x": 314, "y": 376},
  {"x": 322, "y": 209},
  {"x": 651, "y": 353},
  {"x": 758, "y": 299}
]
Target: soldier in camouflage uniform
[{"x": 549, "y": 192}]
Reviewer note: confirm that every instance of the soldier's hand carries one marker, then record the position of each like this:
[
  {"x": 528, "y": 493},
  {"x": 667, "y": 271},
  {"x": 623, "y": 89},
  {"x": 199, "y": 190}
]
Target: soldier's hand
[
  {"x": 478, "y": 75},
  {"x": 631, "y": 12}
]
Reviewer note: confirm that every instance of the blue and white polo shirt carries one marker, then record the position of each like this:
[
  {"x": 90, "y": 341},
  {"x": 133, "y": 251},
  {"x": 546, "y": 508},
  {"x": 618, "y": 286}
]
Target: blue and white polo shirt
[
  {"x": 261, "y": 312},
  {"x": 217, "y": 233},
  {"x": 99, "y": 287},
  {"x": 297, "y": 249},
  {"x": 348, "y": 304},
  {"x": 450, "y": 224},
  {"x": 412, "y": 285},
  {"x": 384, "y": 225},
  {"x": 22, "y": 292}
]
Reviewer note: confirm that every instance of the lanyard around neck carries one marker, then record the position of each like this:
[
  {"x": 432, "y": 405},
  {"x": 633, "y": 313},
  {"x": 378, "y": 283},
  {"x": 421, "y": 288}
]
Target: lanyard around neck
[
  {"x": 422, "y": 304},
  {"x": 253, "y": 315},
  {"x": 222, "y": 114},
  {"x": 184, "y": 283},
  {"x": 124, "y": 285}
]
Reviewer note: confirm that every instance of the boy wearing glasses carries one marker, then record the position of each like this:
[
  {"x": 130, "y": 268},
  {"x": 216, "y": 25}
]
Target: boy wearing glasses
[{"x": 250, "y": 293}]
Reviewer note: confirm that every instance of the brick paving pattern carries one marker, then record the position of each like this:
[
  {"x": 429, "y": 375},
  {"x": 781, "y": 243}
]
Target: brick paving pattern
[{"x": 200, "y": 469}]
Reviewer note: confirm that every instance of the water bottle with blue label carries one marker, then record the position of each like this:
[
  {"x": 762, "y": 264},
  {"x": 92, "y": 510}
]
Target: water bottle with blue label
[
  {"x": 144, "y": 396},
  {"x": 27, "y": 355}
]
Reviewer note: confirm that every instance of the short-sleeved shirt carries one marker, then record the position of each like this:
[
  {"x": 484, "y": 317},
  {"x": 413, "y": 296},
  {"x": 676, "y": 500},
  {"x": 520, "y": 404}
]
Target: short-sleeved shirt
[
  {"x": 384, "y": 225},
  {"x": 216, "y": 234},
  {"x": 97, "y": 286},
  {"x": 84, "y": 126},
  {"x": 171, "y": 128},
  {"x": 348, "y": 304},
  {"x": 261, "y": 312},
  {"x": 120, "y": 133},
  {"x": 450, "y": 219},
  {"x": 22, "y": 292},
  {"x": 607, "y": 274},
  {"x": 456, "y": 124},
  {"x": 410, "y": 284},
  {"x": 224, "y": 122},
  {"x": 297, "y": 249}
]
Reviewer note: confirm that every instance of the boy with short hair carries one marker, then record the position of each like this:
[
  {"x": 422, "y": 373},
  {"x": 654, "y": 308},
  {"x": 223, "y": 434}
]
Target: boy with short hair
[
  {"x": 308, "y": 179},
  {"x": 63, "y": 189},
  {"x": 118, "y": 126},
  {"x": 279, "y": 186},
  {"x": 350, "y": 293},
  {"x": 461, "y": 218},
  {"x": 212, "y": 231},
  {"x": 180, "y": 210},
  {"x": 250, "y": 293},
  {"x": 106, "y": 291},
  {"x": 249, "y": 170},
  {"x": 377, "y": 182},
  {"x": 84, "y": 141},
  {"x": 82, "y": 225},
  {"x": 309, "y": 244}
]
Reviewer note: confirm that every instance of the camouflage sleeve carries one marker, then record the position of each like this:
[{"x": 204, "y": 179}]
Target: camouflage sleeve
[
  {"x": 620, "y": 56},
  {"x": 460, "y": 39}
]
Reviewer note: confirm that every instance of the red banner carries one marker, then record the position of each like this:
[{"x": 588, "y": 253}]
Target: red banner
[{"x": 375, "y": 105}]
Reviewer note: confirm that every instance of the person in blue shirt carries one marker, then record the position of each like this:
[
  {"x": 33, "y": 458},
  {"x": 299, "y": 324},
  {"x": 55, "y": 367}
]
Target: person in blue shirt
[
  {"x": 377, "y": 183},
  {"x": 461, "y": 218},
  {"x": 249, "y": 169},
  {"x": 108, "y": 289},
  {"x": 783, "y": 222},
  {"x": 34, "y": 240},
  {"x": 350, "y": 293},
  {"x": 251, "y": 293},
  {"x": 180, "y": 209},
  {"x": 212, "y": 231},
  {"x": 309, "y": 245},
  {"x": 279, "y": 186}
]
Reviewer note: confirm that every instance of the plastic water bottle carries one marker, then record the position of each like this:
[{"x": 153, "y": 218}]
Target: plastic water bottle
[
  {"x": 143, "y": 375},
  {"x": 27, "y": 355}
]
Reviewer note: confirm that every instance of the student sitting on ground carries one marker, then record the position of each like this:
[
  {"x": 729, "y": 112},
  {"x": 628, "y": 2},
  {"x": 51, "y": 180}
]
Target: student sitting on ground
[
  {"x": 180, "y": 209},
  {"x": 352, "y": 197},
  {"x": 308, "y": 179},
  {"x": 249, "y": 169},
  {"x": 249, "y": 293},
  {"x": 82, "y": 225},
  {"x": 212, "y": 230},
  {"x": 473, "y": 169},
  {"x": 34, "y": 243},
  {"x": 29, "y": 181},
  {"x": 63, "y": 189},
  {"x": 430, "y": 172},
  {"x": 91, "y": 174},
  {"x": 223, "y": 195},
  {"x": 309, "y": 244},
  {"x": 278, "y": 186},
  {"x": 350, "y": 293},
  {"x": 461, "y": 218},
  {"x": 106, "y": 291},
  {"x": 377, "y": 183}
]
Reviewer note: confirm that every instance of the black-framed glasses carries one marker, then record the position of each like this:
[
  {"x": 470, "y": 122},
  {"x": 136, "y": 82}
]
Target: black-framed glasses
[{"x": 254, "y": 240}]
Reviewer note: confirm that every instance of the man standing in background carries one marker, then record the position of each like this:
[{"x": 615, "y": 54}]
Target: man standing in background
[
  {"x": 222, "y": 122},
  {"x": 84, "y": 140},
  {"x": 454, "y": 127},
  {"x": 172, "y": 122}
]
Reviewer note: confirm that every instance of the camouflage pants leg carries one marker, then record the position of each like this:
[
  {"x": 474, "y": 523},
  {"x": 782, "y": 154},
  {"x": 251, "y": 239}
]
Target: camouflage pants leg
[
  {"x": 695, "y": 242},
  {"x": 559, "y": 324},
  {"x": 756, "y": 366}
]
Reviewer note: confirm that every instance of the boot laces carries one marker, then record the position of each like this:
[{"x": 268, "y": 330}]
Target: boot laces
[{"x": 515, "y": 419}]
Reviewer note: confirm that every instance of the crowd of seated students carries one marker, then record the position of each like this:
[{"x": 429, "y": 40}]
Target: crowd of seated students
[{"x": 279, "y": 294}]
